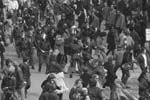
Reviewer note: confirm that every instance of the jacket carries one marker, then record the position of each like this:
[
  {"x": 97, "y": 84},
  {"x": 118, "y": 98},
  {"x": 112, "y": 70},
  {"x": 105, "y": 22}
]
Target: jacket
[
  {"x": 95, "y": 93},
  {"x": 26, "y": 71},
  {"x": 49, "y": 96}
]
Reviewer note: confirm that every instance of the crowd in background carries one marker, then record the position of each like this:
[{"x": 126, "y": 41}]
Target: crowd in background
[{"x": 75, "y": 36}]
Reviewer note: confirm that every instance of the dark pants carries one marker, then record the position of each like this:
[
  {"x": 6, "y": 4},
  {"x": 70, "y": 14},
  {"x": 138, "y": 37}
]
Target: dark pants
[
  {"x": 125, "y": 76},
  {"x": 60, "y": 96},
  {"x": 43, "y": 58},
  {"x": 2, "y": 60},
  {"x": 27, "y": 86}
]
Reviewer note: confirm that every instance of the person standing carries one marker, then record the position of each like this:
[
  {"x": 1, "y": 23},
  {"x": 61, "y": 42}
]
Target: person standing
[
  {"x": 95, "y": 93},
  {"x": 49, "y": 93},
  {"x": 143, "y": 60},
  {"x": 111, "y": 41},
  {"x": 25, "y": 67},
  {"x": 10, "y": 65}
]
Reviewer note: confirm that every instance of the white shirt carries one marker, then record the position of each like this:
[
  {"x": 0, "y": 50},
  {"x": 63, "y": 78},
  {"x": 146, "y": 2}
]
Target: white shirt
[{"x": 145, "y": 59}]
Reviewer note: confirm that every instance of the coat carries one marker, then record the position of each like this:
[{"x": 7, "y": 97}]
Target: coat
[
  {"x": 95, "y": 93},
  {"x": 111, "y": 41},
  {"x": 49, "y": 96},
  {"x": 120, "y": 23}
]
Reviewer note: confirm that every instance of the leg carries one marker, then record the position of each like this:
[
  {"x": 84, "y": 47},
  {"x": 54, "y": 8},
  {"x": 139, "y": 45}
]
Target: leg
[
  {"x": 20, "y": 93},
  {"x": 18, "y": 51},
  {"x": 126, "y": 77},
  {"x": 31, "y": 62},
  {"x": 116, "y": 68},
  {"x": 108, "y": 52},
  {"x": 28, "y": 84},
  {"x": 40, "y": 62},
  {"x": 2, "y": 61},
  {"x": 47, "y": 64}
]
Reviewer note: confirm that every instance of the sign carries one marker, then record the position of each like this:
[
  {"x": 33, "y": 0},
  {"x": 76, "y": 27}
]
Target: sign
[{"x": 148, "y": 34}]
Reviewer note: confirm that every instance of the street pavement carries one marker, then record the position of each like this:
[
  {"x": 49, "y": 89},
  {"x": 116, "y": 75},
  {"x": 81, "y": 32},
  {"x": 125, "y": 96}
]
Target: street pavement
[{"x": 37, "y": 78}]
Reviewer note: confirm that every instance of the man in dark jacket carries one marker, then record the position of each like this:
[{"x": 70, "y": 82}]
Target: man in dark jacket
[{"x": 26, "y": 74}]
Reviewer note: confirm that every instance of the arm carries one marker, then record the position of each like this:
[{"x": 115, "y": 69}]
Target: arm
[
  {"x": 20, "y": 74},
  {"x": 71, "y": 94}
]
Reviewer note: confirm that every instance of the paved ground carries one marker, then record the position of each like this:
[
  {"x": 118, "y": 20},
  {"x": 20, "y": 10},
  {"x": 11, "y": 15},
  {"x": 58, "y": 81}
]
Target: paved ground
[{"x": 37, "y": 78}]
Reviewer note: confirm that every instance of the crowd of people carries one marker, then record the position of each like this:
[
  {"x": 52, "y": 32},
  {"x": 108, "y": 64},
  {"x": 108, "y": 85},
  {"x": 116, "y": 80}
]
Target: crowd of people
[{"x": 93, "y": 38}]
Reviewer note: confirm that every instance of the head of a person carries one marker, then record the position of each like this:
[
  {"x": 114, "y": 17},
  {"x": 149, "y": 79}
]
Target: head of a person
[
  {"x": 50, "y": 77},
  {"x": 110, "y": 59},
  {"x": 50, "y": 87},
  {"x": 85, "y": 91},
  {"x": 10, "y": 67},
  {"x": 63, "y": 16},
  {"x": 25, "y": 60},
  {"x": 95, "y": 77},
  {"x": 8, "y": 62},
  {"x": 143, "y": 50},
  {"x": 78, "y": 83},
  {"x": 92, "y": 83}
]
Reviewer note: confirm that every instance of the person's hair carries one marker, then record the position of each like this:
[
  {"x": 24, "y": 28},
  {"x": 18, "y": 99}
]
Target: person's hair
[
  {"x": 25, "y": 59},
  {"x": 77, "y": 81},
  {"x": 7, "y": 61}
]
